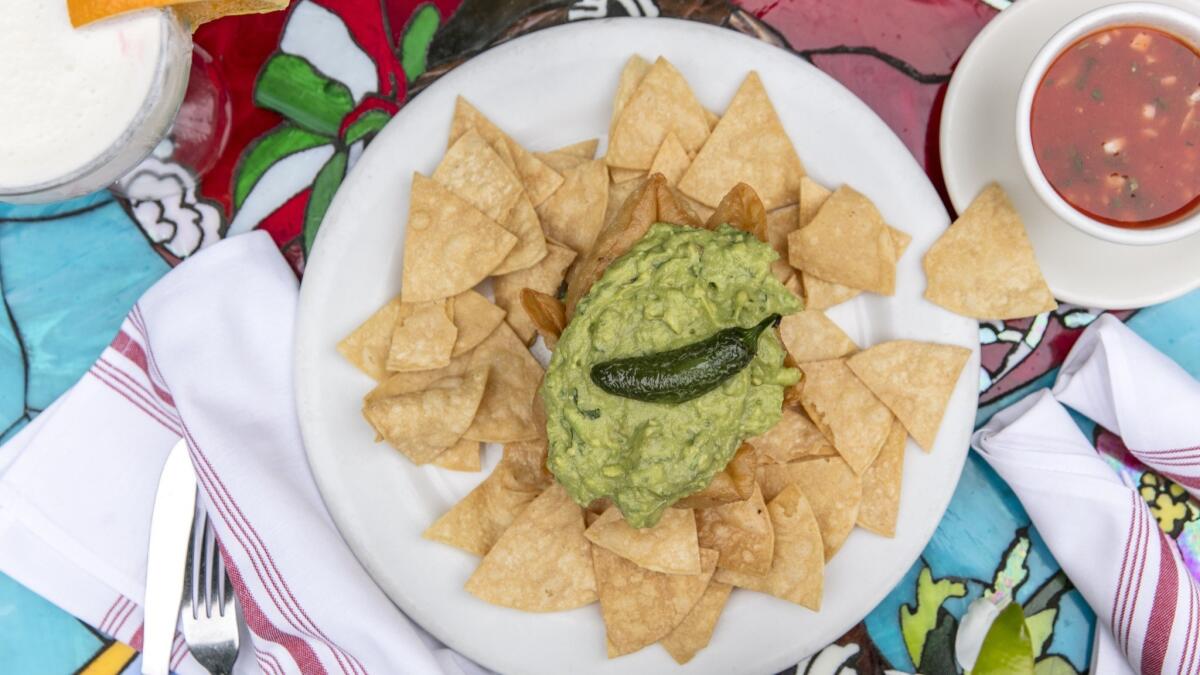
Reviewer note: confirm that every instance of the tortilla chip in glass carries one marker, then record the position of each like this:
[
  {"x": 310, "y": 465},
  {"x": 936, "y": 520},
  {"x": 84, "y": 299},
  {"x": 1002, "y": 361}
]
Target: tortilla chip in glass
[
  {"x": 462, "y": 456},
  {"x": 734, "y": 483},
  {"x": 742, "y": 209},
  {"x": 422, "y": 424},
  {"x": 914, "y": 380},
  {"x": 984, "y": 267},
  {"x": 574, "y": 215},
  {"x": 842, "y": 407},
  {"x": 881, "y": 486},
  {"x": 475, "y": 317},
  {"x": 641, "y": 606},
  {"x": 848, "y": 243},
  {"x": 797, "y": 571},
  {"x": 506, "y": 412},
  {"x": 540, "y": 181},
  {"x": 541, "y": 563},
  {"x": 449, "y": 245},
  {"x": 472, "y": 170},
  {"x": 662, "y": 103},
  {"x": 792, "y": 438},
  {"x": 544, "y": 277},
  {"x": 423, "y": 336},
  {"x": 812, "y": 336},
  {"x": 748, "y": 145},
  {"x": 669, "y": 547},
  {"x": 695, "y": 631},
  {"x": 367, "y": 347},
  {"x": 632, "y": 74},
  {"x": 671, "y": 160},
  {"x": 741, "y": 533}
]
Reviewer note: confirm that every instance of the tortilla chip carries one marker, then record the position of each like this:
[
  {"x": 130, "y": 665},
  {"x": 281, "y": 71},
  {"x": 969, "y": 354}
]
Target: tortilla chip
[
  {"x": 741, "y": 532},
  {"x": 582, "y": 149},
  {"x": 696, "y": 629},
  {"x": 423, "y": 336},
  {"x": 472, "y": 170},
  {"x": 812, "y": 336},
  {"x": 560, "y": 161},
  {"x": 842, "y": 407},
  {"x": 662, "y": 103},
  {"x": 423, "y": 424},
  {"x": 835, "y": 494},
  {"x": 523, "y": 223},
  {"x": 475, "y": 523},
  {"x": 813, "y": 196},
  {"x": 984, "y": 267},
  {"x": 669, "y": 547},
  {"x": 640, "y": 606},
  {"x": 712, "y": 117},
  {"x": 540, "y": 181},
  {"x": 671, "y": 160},
  {"x": 914, "y": 380},
  {"x": 618, "y": 175},
  {"x": 793, "y": 438},
  {"x": 749, "y": 146},
  {"x": 449, "y": 245},
  {"x": 506, "y": 411},
  {"x": 574, "y": 215},
  {"x": 673, "y": 207},
  {"x": 547, "y": 313},
  {"x": 734, "y": 483},
  {"x": 463, "y": 456},
  {"x": 821, "y": 294},
  {"x": 742, "y": 209},
  {"x": 881, "y": 486},
  {"x": 544, "y": 277},
  {"x": 420, "y": 380},
  {"x": 541, "y": 563},
  {"x": 798, "y": 567},
  {"x": 780, "y": 223},
  {"x": 848, "y": 243},
  {"x": 475, "y": 317},
  {"x": 367, "y": 347},
  {"x": 632, "y": 74}
]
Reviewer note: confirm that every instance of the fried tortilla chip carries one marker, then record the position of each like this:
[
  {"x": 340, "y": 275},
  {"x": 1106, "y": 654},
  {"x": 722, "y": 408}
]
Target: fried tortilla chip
[
  {"x": 842, "y": 407},
  {"x": 734, "y": 483},
  {"x": 631, "y": 76},
  {"x": 423, "y": 336},
  {"x": 640, "y": 606},
  {"x": 544, "y": 277},
  {"x": 984, "y": 267},
  {"x": 582, "y": 149},
  {"x": 524, "y": 224},
  {"x": 574, "y": 215},
  {"x": 793, "y": 438},
  {"x": 569, "y": 156},
  {"x": 407, "y": 383},
  {"x": 475, "y": 317},
  {"x": 662, "y": 103},
  {"x": 472, "y": 170},
  {"x": 462, "y": 456},
  {"x": 475, "y": 523},
  {"x": 540, "y": 181},
  {"x": 669, "y": 547},
  {"x": 821, "y": 294},
  {"x": 812, "y": 336},
  {"x": 780, "y": 223},
  {"x": 367, "y": 347},
  {"x": 671, "y": 160},
  {"x": 742, "y": 209},
  {"x": 741, "y": 532},
  {"x": 834, "y": 492},
  {"x": 542, "y": 562},
  {"x": 848, "y": 243},
  {"x": 506, "y": 412},
  {"x": 548, "y": 314},
  {"x": 914, "y": 380},
  {"x": 422, "y": 424},
  {"x": 881, "y": 486},
  {"x": 797, "y": 571},
  {"x": 812, "y": 197},
  {"x": 749, "y": 146},
  {"x": 696, "y": 629},
  {"x": 449, "y": 245}
]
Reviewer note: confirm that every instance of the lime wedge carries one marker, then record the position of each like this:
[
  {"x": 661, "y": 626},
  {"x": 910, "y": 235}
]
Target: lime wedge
[{"x": 1007, "y": 649}]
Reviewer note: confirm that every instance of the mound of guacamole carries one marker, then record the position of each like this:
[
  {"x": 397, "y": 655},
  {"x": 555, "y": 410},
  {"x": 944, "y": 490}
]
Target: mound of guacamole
[{"x": 676, "y": 286}]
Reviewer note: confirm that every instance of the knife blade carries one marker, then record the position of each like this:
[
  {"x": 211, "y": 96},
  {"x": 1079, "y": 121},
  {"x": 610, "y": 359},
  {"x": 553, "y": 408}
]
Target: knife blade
[{"x": 170, "y": 527}]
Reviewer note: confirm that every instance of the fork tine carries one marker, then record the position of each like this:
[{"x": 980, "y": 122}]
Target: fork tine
[
  {"x": 203, "y": 596},
  {"x": 214, "y": 573}
]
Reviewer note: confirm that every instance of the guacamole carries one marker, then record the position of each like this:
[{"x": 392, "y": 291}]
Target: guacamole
[{"x": 676, "y": 286}]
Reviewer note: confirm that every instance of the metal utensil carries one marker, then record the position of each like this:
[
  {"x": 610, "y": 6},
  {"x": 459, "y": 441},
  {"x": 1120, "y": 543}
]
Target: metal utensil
[
  {"x": 174, "y": 507},
  {"x": 210, "y": 614}
]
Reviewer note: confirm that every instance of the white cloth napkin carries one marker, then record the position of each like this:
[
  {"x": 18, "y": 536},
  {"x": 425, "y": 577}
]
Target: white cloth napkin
[
  {"x": 1097, "y": 526},
  {"x": 207, "y": 355}
]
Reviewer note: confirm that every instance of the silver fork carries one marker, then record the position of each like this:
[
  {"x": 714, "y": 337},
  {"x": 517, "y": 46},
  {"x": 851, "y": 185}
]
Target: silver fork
[{"x": 209, "y": 614}]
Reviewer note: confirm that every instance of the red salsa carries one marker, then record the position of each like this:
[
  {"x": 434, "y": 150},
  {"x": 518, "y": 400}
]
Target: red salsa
[{"x": 1116, "y": 126}]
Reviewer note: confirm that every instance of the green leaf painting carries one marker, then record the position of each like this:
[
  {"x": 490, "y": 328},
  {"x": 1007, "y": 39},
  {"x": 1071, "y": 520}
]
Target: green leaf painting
[
  {"x": 271, "y": 147},
  {"x": 323, "y": 189},
  {"x": 417, "y": 36},
  {"x": 916, "y": 623},
  {"x": 369, "y": 123},
  {"x": 290, "y": 86}
]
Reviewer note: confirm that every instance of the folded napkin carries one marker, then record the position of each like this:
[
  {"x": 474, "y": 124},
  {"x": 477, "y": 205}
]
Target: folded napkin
[
  {"x": 205, "y": 355},
  {"x": 1097, "y": 526}
]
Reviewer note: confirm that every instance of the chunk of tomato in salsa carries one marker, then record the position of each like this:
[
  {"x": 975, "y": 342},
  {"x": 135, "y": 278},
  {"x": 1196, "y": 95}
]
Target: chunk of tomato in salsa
[{"x": 1116, "y": 126}]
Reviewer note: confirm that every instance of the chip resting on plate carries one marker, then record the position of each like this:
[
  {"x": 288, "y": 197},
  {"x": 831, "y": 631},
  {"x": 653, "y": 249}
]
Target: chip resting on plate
[
  {"x": 631, "y": 76},
  {"x": 475, "y": 317},
  {"x": 449, "y": 245},
  {"x": 881, "y": 485},
  {"x": 696, "y": 629},
  {"x": 540, "y": 181},
  {"x": 741, "y": 208},
  {"x": 506, "y": 412},
  {"x": 367, "y": 347},
  {"x": 546, "y": 276},
  {"x": 833, "y": 491},
  {"x": 472, "y": 170},
  {"x": 669, "y": 547},
  {"x": 671, "y": 160},
  {"x": 542, "y": 562},
  {"x": 793, "y": 437},
  {"x": 984, "y": 267},
  {"x": 780, "y": 223},
  {"x": 574, "y": 214},
  {"x": 662, "y": 103},
  {"x": 748, "y": 145},
  {"x": 462, "y": 456},
  {"x": 424, "y": 423},
  {"x": 423, "y": 336},
  {"x": 797, "y": 571},
  {"x": 845, "y": 410},
  {"x": 914, "y": 380},
  {"x": 812, "y": 336},
  {"x": 569, "y": 156},
  {"x": 741, "y": 533},
  {"x": 847, "y": 242},
  {"x": 732, "y": 484},
  {"x": 524, "y": 224}
]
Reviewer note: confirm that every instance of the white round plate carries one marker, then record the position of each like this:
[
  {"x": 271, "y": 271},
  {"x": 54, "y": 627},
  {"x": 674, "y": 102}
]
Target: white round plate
[
  {"x": 978, "y": 139},
  {"x": 548, "y": 89}
]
